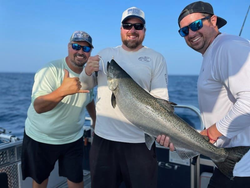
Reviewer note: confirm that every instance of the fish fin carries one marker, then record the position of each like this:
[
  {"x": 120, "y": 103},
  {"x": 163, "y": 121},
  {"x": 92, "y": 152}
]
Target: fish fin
[
  {"x": 186, "y": 153},
  {"x": 149, "y": 140},
  {"x": 113, "y": 100},
  {"x": 108, "y": 64},
  {"x": 169, "y": 106},
  {"x": 234, "y": 155}
]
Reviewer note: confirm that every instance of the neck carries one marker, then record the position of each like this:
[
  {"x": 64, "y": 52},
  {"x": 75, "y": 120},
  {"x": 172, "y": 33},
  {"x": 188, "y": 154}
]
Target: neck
[{"x": 132, "y": 49}]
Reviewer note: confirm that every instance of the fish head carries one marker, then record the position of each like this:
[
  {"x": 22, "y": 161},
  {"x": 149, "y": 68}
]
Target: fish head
[
  {"x": 112, "y": 75},
  {"x": 115, "y": 74}
]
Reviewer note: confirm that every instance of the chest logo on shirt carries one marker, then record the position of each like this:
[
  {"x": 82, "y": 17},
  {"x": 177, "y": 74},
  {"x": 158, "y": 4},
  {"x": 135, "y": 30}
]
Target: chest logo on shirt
[{"x": 144, "y": 59}]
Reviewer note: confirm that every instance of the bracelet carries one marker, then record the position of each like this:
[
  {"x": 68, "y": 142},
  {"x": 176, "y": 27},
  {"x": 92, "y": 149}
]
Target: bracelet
[{"x": 210, "y": 137}]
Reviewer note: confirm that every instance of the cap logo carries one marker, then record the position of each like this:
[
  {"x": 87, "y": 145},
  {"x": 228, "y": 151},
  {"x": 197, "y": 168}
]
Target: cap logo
[
  {"x": 134, "y": 12},
  {"x": 79, "y": 35}
]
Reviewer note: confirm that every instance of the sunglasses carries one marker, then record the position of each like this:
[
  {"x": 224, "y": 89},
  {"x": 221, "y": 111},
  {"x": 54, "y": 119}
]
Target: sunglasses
[
  {"x": 194, "y": 26},
  {"x": 78, "y": 47},
  {"x": 137, "y": 26}
]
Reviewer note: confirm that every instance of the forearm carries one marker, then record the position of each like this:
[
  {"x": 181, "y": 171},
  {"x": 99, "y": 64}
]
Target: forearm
[
  {"x": 87, "y": 82},
  {"x": 236, "y": 120},
  {"x": 47, "y": 102}
]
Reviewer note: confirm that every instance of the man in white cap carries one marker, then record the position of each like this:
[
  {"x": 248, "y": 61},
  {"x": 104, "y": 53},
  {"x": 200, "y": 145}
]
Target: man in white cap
[
  {"x": 118, "y": 152},
  {"x": 54, "y": 126}
]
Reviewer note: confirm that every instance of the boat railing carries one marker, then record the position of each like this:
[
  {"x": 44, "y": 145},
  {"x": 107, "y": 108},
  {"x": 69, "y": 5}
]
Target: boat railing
[
  {"x": 194, "y": 109},
  {"x": 5, "y": 136},
  {"x": 194, "y": 163}
]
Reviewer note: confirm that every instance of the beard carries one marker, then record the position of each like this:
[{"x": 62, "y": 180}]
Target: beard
[
  {"x": 132, "y": 44},
  {"x": 79, "y": 63}
]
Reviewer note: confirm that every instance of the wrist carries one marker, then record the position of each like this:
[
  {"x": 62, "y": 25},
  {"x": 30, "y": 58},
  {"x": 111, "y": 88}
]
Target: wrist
[
  {"x": 87, "y": 73},
  {"x": 211, "y": 138}
]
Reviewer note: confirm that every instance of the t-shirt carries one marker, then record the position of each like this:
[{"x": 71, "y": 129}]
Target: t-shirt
[{"x": 64, "y": 123}]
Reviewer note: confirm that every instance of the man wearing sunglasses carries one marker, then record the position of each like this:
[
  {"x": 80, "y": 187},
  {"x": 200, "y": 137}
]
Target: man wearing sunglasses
[
  {"x": 54, "y": 126},
  {"x": 118, "y": 152},
  {"x": 223, "y": 86}
]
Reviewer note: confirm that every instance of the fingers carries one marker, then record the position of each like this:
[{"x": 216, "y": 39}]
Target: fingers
[
  {"x": 71, "y": 85},
  {"x": 171, "y": 147},
  {"x": 160, "y": 139},
  {"x": 83, "y": 91},
  {"x": 165, "y": 141},
  {"x": 204, "y": 132},
  {"x": 92, "y": 65}
]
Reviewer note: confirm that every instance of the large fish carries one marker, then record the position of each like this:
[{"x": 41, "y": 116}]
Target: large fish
[{"x": 156, "y": 117}]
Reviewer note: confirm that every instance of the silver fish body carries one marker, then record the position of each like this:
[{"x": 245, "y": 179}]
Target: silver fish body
[{"x": 156, "y": 117}]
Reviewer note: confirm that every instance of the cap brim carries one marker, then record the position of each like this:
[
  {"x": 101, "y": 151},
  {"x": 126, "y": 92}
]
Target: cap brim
[
  {"x": 83, "y": 41},
  {"x": 133, "y": 16},
  {"x": 221, "y": 22}
]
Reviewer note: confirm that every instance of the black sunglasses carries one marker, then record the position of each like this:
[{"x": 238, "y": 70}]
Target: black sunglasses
[
  {"x": 137, "y": 26},
  {"x": 78, "y": 47},
  {"x": 194, "y": 26}
]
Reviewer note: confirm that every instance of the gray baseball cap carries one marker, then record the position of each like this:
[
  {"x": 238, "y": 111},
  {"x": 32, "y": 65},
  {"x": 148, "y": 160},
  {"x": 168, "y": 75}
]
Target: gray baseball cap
[{"x": 81, "y": 36}]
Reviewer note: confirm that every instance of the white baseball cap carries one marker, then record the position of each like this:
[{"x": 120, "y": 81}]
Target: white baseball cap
[{"x": 133, "y": 12}]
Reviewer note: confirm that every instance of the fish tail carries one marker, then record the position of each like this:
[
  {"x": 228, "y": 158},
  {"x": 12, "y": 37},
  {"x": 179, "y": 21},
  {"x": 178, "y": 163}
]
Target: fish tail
[{"x": 234, "y": 155}]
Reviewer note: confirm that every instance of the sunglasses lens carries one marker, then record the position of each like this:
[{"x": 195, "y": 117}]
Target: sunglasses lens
[
  {"x": 139, "y": 26},
  {"x": 127, "y": 26},
  {"x": 76, "y": 46},
  {"x": 86, "y": 48},
  {"x": 184, "y": 31},
  {"x": 195, "y": 26}
]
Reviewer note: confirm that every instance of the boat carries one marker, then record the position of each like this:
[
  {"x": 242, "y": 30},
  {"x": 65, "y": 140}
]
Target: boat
[{"x": 173, "y": 172}]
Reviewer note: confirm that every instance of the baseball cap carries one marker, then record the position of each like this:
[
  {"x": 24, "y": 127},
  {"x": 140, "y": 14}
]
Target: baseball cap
[
  {"x": 81, "y": 36},
  {"x": 201, "y": 7},
  {"x": 133, "y": 12}
]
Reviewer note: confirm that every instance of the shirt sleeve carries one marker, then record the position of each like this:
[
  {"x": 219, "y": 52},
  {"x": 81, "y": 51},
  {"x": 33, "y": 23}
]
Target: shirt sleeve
[
  {"x": 159, "y": 81},
  {"x": 44, "y": 83},
  {"x": 88, "y": 82},
  {"x": 234, "y": 73}
]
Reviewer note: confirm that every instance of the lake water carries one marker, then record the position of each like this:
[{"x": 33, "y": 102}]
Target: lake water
[{"x": 15, "y": 96}]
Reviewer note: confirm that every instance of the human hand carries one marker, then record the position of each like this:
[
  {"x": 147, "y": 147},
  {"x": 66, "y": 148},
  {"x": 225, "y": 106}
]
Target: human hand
[
  {"x": 165, "y": 141},
  {"x": 71, "y": 85},
  {"x": 92, "y": 65},
  {"x": 206, "y": 133}
]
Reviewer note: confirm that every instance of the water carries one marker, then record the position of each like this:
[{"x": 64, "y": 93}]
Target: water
[{"x": 15, "y": 96}]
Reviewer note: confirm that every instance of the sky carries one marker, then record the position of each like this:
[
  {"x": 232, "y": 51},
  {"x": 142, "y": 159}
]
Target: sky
[{"x": 34, "y": 32}]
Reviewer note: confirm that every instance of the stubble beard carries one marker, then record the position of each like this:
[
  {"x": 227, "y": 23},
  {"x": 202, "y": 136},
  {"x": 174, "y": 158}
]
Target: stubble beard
[{"x": 77, "y": 63}]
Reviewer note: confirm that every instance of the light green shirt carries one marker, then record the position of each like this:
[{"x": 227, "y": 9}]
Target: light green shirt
[{"x": 64, "y": 123}]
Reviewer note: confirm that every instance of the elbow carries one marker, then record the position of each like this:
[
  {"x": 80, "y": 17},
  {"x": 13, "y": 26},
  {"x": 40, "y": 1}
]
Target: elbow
[
  {"x": 39, "y": 111},
  {"x": 37, "y": 108}
]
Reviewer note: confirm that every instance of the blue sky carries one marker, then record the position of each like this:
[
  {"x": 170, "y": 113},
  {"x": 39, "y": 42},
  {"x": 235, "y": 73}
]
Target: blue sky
[{"x": 34, "y": 32}]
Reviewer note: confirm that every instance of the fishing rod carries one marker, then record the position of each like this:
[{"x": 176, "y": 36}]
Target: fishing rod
[{"x": 244, "y": 20}]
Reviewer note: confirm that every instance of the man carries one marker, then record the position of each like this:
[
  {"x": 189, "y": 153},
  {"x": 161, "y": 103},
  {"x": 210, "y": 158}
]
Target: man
[
  {"x": 54, "y": 126},
  {"x": 223, "y": 86},
  {"x": 118, "y": 153}
]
